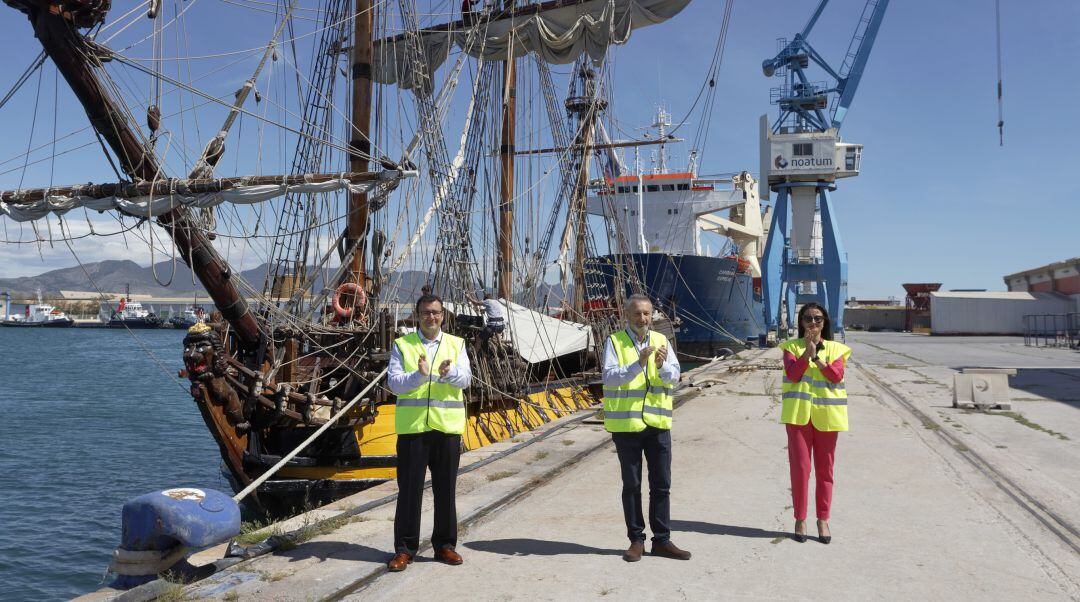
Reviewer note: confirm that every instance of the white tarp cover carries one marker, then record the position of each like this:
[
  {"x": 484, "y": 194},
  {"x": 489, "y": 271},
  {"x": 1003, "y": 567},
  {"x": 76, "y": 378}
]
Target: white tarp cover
[
  {"x": 535, "y": 336},
  {"x": 538, "y": 337},
  {"x": 150, "y": 206},
  {"x": 557, "y": 35}
]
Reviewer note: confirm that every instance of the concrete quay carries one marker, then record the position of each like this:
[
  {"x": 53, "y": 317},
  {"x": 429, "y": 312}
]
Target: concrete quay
[{"x": 930, "y": 502}]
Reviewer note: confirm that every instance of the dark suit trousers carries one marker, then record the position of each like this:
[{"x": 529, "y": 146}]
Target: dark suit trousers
[
  {"x": 655, "y": 445},
  {"x": 415, "y": 454}
]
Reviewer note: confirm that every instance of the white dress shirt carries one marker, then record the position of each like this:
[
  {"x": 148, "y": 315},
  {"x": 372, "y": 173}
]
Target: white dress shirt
[{"x": 399, "y": 381}]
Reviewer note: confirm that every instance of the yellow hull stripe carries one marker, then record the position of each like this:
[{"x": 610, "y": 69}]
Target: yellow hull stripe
[{"x": 481, "y": 430}]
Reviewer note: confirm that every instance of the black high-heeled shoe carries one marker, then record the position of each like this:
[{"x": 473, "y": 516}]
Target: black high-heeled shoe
[
  {"x": 825, "y": 539},
  {"x": 799, "y": 537}
]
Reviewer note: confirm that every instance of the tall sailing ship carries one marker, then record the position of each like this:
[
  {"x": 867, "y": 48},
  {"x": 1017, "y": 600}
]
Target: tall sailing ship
[{"x": 406, "y": 158}]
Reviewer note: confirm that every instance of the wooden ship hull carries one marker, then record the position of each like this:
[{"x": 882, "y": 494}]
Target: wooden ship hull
[{"x": 362, "y": 452}]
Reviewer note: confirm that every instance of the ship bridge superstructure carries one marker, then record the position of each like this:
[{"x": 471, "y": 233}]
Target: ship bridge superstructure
[{"x": 667, "y": 212}]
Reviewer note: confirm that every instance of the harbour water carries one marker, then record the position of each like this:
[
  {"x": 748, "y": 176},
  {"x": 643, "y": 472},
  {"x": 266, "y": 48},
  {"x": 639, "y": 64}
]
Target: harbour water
[{"x": 91, "y": 418}]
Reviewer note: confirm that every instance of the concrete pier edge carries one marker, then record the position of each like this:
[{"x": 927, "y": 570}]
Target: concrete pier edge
[{"x": 215, "y": 566}]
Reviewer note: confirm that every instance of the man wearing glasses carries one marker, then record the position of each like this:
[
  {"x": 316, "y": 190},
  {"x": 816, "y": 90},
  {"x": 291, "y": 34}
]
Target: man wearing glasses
[
  {"x": 640, "y": 372},
  {"x": 428, "y": 372}
]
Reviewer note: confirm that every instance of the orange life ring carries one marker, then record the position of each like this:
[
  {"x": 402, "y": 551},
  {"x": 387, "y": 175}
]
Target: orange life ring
[{"x": 349, "y": 288}]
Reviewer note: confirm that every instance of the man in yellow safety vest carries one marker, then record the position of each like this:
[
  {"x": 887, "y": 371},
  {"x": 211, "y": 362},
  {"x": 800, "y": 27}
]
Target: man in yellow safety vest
[
  {"x": 428, "y": 371},
  {"x": 640, "y": 373}
]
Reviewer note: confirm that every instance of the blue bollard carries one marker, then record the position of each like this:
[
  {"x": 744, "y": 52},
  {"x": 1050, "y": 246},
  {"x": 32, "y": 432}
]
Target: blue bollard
[{"x": 160, "y": 528}]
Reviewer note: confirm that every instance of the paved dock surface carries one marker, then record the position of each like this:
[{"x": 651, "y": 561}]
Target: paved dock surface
[{"x": 930, "y": 501}]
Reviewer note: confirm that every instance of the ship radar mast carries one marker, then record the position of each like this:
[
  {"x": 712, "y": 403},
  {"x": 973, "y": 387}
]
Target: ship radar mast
[{"x": 661, "y": 124}]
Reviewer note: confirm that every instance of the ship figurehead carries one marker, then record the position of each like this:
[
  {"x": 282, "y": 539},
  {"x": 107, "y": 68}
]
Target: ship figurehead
[{"x": 206, "y": 364}]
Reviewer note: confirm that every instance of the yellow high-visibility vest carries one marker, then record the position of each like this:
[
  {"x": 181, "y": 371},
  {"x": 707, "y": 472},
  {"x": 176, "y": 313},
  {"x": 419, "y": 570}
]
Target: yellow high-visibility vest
[
  {"x": 433, "y": 405},
  {"x": 813, "y": 398},
  {"x": 645, "y": 400}
]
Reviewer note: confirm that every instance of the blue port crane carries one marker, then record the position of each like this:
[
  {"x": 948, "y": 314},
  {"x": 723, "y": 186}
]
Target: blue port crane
[{"x": 802, "y": 156}]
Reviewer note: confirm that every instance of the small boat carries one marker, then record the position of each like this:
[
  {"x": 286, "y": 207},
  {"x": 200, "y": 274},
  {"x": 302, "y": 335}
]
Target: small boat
[
  {"x": 191, "y": 316},
  {"x": 130, "y": 314},
  {"x": 40, "y": 315}
]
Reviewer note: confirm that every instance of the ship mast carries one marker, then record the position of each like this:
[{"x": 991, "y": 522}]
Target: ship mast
[
  {"x": 360, "y": 144},
  {"x": 506, "y": 158},
  {"x": 586, "y": 106},
  {"x": 57, "y": 30}
]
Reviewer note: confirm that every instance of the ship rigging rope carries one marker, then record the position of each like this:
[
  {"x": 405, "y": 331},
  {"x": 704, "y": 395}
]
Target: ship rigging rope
[
  {"x": 34, "y": 66},
  {"x": 342, "y": 21},
  {"x": 138, "y": 341},
  {"x": 150, "y": 230},
  {"x": 135, "y": 18},
  {"x": 90, "y": 127},
  {"x": 188, "y": 5},
  {"x": 72, "y": 237},
  {"x": 715, "y": 326},
  {"x": 709, "y": 85},
  {"x": 481, "y": 82},
  {"x": 266, "y": 10},
  {"x": 193, "y": 90},
  {"x": 117, "y": 20}
]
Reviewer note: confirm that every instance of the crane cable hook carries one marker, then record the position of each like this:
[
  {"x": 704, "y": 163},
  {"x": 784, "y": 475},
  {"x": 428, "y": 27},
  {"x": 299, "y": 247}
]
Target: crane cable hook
[{"x": 1000, "y": 98}]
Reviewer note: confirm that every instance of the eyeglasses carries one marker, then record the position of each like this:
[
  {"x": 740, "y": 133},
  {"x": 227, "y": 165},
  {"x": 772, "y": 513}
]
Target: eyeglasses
[
  {"x": 431, "y": 312},
  {"x": 813, "y": 319}
]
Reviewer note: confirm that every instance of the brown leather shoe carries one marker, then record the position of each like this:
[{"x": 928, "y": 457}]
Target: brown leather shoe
[
  {"x": 448, "y": 556},
  {"x": 399, "y": 562},
  {"x": 634, "y": 552},
  {"x": 669, "y": 550}
]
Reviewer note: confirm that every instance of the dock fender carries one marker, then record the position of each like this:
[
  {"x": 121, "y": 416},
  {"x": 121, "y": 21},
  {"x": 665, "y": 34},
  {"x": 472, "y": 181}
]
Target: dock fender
[{"x": 159, "y": 528}]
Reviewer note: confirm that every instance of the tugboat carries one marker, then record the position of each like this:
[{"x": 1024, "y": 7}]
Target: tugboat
[
  {"x": 191, "y": 316},
  {"x": 40, "y": 315},
  {"x": 130, "y": 314}
]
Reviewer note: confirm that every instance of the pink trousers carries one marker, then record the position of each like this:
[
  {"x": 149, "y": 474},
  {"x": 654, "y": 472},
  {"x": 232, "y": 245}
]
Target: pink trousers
[{"x": 804, "y": 441}]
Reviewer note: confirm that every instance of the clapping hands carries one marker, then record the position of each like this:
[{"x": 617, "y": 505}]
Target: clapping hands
[
  {"x": 813, "y": 339},
  {"x": 643, "y": 355},
  {"x": 424, "y": 367},
  {"x": 661, "y": 356}
]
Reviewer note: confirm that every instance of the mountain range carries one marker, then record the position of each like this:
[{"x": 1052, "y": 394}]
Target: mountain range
[{"x": 113, "y": 276}]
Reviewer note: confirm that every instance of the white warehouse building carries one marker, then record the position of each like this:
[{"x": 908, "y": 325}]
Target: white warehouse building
[{"x": 992, "y": 313}]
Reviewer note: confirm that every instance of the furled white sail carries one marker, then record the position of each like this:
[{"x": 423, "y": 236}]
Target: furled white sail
[
  {"x": 151, "y": 206},
  {"x": 557, "y": 35}
]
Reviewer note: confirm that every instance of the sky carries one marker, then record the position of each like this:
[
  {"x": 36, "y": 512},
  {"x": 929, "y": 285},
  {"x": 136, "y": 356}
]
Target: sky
[{"x": 938, "y": 200}]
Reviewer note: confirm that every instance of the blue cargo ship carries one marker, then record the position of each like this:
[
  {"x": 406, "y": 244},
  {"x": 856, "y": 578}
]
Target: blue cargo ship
[
  {"x": 712, "y": 305},
  {"x": 713, "y": 301}
]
